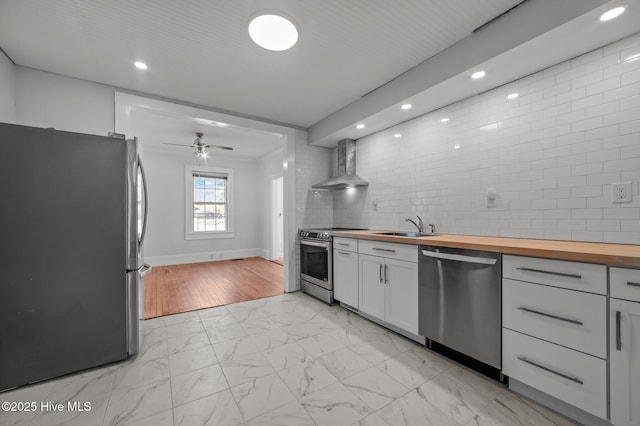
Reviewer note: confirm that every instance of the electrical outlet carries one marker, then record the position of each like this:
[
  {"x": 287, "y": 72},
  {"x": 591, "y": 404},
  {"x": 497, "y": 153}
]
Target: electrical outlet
[
  {"x": 621, "y": 192},
  {"x": 491, "y": 197}
]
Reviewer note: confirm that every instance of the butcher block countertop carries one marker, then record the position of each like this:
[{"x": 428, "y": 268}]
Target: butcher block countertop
[{"x": 608, "y": 254}]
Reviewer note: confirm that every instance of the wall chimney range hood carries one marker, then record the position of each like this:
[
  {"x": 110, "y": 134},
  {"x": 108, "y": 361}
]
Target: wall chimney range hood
[{"x": 345, "y": 176}]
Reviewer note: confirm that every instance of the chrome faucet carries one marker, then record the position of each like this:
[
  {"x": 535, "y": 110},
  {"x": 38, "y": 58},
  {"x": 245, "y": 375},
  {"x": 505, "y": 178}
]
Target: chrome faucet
[{"x": 418, "y": 225}]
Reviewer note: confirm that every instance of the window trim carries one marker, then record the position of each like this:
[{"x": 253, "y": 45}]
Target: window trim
[{"x": 189, "y": 233}]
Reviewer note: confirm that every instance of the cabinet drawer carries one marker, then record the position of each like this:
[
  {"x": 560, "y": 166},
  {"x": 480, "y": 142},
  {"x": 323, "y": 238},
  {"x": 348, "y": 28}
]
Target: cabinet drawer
[
  {"x": 625, "y": 283},
  {"x": 560, "y": 273},
  {"x": 408, "y": 252},
  {"x": 569, "y": 318},
  {"x": 570, "y": 376},
  {"x": 348, "y": 244}
]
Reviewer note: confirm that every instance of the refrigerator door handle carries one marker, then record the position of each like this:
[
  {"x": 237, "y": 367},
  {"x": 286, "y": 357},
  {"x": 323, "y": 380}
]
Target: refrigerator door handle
[{"x": 146, "y": 204}]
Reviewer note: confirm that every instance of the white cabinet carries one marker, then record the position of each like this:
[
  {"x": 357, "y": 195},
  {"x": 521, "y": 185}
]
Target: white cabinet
[
  {"x": 388, "y": 285},
  {"x": 401, "y": 307},
  {"x": 345, "y": 271},
  {"x": 624, "y": 350},
  {"x": 554, "y": 329},
  {"x": 372, "y": 286}
]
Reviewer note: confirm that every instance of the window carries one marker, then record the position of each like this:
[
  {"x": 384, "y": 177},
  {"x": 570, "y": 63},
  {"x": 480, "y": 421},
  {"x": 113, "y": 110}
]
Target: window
[{"x": 209, "y": 202}]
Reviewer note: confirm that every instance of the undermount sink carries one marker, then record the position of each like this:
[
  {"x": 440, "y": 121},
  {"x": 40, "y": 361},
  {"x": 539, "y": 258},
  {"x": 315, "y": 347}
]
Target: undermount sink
[{"x": 406, "y": 234}]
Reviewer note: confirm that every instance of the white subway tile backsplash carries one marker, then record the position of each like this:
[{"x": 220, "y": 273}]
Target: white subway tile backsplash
[
  {"x": 630, "y": 77},
  {"x": 551, "y": 155},
  {"x": 576, "y": 93},
  {"x": 588, "y": 124},
  {"x": 603, "y": 86},
  {"x": 631, "y": 127},
  {"x": 587, "y": 102},
  {"x": 622, "y": 93}
]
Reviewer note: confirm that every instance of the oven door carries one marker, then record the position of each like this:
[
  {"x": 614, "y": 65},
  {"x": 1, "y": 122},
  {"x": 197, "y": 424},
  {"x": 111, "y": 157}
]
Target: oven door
[{"x": 315, "y": 263}]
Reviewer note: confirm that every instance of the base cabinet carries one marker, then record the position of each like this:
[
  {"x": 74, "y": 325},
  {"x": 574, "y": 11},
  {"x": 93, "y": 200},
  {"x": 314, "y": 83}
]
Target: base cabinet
[
  {"x": 345, "y": 277},
  {"x": 624, "y": 357},
  {"x": 389, "y": 290}
]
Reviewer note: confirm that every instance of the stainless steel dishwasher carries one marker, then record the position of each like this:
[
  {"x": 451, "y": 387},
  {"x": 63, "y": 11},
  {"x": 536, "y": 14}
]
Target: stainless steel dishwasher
[{"x": 460, "y": 298}]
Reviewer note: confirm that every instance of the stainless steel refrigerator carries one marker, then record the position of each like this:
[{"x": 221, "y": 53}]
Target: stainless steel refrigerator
[{"x": 73, "y": 217}]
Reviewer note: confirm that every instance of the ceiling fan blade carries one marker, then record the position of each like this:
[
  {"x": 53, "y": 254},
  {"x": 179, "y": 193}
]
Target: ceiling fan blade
[
  {"x": 228, "y": 148},
  {"x": 177, "y": 144}
]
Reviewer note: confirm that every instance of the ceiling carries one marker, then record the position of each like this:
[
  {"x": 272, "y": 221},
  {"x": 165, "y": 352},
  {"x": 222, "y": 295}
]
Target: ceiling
[
  {"x": 155, "y": 129},
  {"x": 199, "y": 51},
  {"x": 356, "y": 61}
]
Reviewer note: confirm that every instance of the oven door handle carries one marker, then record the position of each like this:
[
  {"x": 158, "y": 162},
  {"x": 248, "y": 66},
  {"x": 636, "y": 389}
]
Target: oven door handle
[{"x": 314, "y": 244}]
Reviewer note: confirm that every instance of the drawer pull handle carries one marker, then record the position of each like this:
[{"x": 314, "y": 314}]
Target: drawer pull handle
[
  {"x": 384, "y": 250},
  {"x": 632, "y": 284},
  {"x": 346, "y": 253},
  {"x": 541, "y": 271},
  {"x": 557, "y": 373},
  {"x": 344, "y": 244},
  {"x": 618, "y": 332},
  {"x": 544, "y": 314}
]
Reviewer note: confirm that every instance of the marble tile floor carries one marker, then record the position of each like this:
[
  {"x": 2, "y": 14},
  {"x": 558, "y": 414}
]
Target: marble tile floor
[{"x": 284, "y": 360}]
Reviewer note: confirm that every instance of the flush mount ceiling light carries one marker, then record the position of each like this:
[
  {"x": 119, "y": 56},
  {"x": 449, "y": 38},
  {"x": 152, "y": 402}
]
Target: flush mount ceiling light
[
  {"x": 511, "y": 96},
  {"x": 478, "y": 74},
  {"x": 612, "y": 13},
  {"x": 273, "y": 32},
  {"x": 140, "y": 65},
  {"x": 444, "y": 120},
  {"x": 360, "y": 126},
  {"x": 397, "y": 135},
  {"x": 406, "y": 106}
]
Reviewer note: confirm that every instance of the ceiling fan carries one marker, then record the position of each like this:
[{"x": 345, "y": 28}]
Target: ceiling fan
[{"x": 200, "y": 146}]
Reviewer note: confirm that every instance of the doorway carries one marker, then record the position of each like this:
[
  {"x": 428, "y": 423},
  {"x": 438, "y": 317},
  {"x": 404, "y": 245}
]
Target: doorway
[
  {"x": 277, "y": 220},
  {"x": 135, "y": 115}
]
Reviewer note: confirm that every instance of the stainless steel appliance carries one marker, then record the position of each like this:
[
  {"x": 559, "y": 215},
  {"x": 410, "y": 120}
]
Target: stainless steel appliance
[
  {"x": 316, "y": 262},
  {"x": 344, "y": 175},
  {"x": 460, "y": 298},
  {"x": 74, "y": 225}
]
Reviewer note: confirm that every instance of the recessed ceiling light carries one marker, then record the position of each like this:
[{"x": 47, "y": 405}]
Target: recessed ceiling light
[
  {"x": 632, "y": 58},
  {"x": 406, "y": 106},
  {"x": 612, "y": 13},
  {"x": 457, "y": 146},
  {"x": 397, "y": 135},
  {"x": 273, "y": 32},
  {"x": 444, "y": 120},
  {"x": 360, "y": 126},
  {"x": 511, "y": 96},
  {"x": 478, "y": 74},
  {"x": 140, "y": 65}
]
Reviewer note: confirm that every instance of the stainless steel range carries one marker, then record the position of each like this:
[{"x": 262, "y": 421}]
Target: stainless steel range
[{"x": 316, "y": 262}]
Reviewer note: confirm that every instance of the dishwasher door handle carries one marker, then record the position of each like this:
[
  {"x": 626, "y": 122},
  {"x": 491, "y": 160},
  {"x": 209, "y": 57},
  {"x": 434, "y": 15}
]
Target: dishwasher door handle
[{"x": 459, "y": 257}]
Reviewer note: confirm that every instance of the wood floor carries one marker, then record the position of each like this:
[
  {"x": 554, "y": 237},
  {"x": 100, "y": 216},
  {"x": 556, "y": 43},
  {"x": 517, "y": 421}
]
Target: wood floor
[{"x": 180, "y": 288}]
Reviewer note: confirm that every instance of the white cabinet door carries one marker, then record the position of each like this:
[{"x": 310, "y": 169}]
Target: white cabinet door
[
  {"x": 345, "y": 277},
  {"x": 371, "y": 286},
  {"x": 624, "y": 361},
  {"x": 401, "y": 307}
]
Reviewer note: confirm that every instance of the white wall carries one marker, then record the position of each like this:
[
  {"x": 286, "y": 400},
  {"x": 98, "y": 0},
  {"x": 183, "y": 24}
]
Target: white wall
[
  {"x": 50, "y": 100},
  {"x": 166, "y": 242},
  {"x": 7, "y": 90},
  {"x": 269, "y": 168},
  {"x": 551, "y": 154}
]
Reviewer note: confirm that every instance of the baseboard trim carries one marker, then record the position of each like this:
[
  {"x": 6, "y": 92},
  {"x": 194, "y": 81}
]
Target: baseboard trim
[
  {"x": 179, "y": 259},
  {"x": 555, "y": 404}
]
